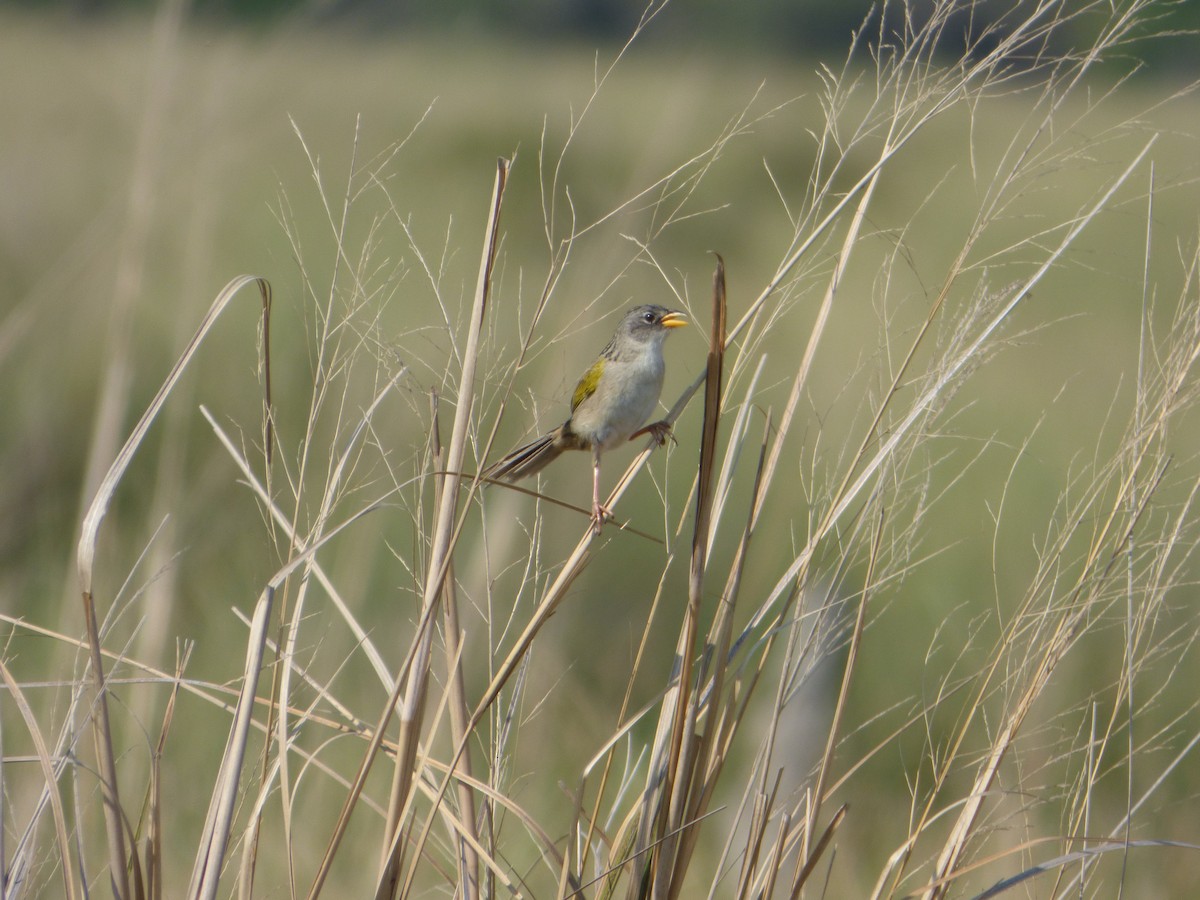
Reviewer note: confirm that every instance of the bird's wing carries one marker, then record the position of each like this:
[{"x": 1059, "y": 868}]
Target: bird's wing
[{"x": 587, "y": 384}]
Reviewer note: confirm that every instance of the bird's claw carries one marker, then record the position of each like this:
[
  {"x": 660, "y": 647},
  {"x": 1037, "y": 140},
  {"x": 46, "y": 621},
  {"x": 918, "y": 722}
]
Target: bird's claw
[
  {"x": 660, "y": 431},
  {"x": 600, "y": 514}
]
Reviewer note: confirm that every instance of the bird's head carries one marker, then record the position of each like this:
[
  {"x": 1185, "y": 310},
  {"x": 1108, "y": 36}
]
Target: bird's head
[{"x": 650, "y": 322}]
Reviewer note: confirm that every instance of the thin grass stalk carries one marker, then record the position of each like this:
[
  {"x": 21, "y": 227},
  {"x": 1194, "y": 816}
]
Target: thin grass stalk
[
  {"x": 734, "y": 445},
  {"x": 285, "y": 730},
  {"x": 839, "y": 706},
  {"x": 137, "y": 878},
  {"x": 440, "y": 555},
  {"x": 278, "y": 722},
  {"x": 154, "y": 830},
  {"x": 748, "y": 683},
  {"x": 111, "y": 406},
  {"x": 555, "y": 594},
  {"x": 347, "y": 724},
  {"x": 549, "y": 206},
  {"x": 77, "y": 809},
  {"x": 355, "y": 790},
  {"x": 766, "y": 475},
  {"x": 622, "y": 863},
  {"x": 1122, "y": 826},
  {"x": 764, "y": 803},
  {"x": 896, "y": 142},
  {"x": 1077, "y": 603},
  {"x": 108, "y": 485},
  {"x": 708, "y": 696},
  {"x": 714, "y": 662},
  {"x": 666, "y": 752},
  {"x": 106, "y": 762},
  {"x": 723, "y": 868},
  {"x": 759, "y": 784},
  {"x": 296, "y": 541},
  {"x": 268, "y": 443},
  {"x": 545, "y": 843},
  {"x": 818, "y": 851},
  {"x": 1130, "y": 639},
  {"x": 741, "y": 691},
  {"x": 1055, "y": 648},
  {"x": 1172, "y": 766},
  {"x": 668, "y": 798},
  {"x": 456, "y": 689},
  {"x": 439, "y": 810},
  {"x": 571, "y": 569},
  {"x": 217, "y": 696},
  {"x": 901, "y": 131},
  {"x": 717, "y": 701},
  {"x": 206, "y": 874},
  {"x": 1091, "y": 854},
  {"x": 606, "y": 753},
  {"x": 818, "y": 329},
  {"x": 70, "y": 890},
  {"x": 105, "y": 758},
  {"x": 280, "y": 729},
  {"x": 566, "y": 878},
  {"x": 1081, "y": 822},
  {"x": 740, "y": 702},
  {"x": 775, "y": 865},
  {"x": 215, "y": 833},
  {"x": 469, "y": 838},
  {"x": 714, "y": 699},
  {"x": 713, "y": 385},
  {"x": 1089, "y": 779},
  {"x": 622, "y": 846},
  {"x": 854, "y": 485},
  {"x": 748, "y": 853}
]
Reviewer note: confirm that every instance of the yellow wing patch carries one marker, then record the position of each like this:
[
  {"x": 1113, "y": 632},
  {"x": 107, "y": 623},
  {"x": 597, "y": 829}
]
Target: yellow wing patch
[{"x": 587, "y": 384}]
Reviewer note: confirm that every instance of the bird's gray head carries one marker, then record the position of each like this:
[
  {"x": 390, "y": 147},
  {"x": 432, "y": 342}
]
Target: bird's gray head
[{"x": 650, "y": 322}]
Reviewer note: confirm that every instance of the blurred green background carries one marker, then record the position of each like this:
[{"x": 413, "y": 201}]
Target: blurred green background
[{"x": 147, "y": 157}]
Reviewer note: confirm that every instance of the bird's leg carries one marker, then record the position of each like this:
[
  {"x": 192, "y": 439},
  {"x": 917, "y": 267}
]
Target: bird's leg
[
  {"x": 599, "y": 512},
  {"x": 660, "y": 431}
]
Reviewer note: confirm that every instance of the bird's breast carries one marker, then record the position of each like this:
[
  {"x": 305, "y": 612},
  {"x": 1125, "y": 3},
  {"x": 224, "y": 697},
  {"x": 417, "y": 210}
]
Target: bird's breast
[{"x": 625, "y": 397}]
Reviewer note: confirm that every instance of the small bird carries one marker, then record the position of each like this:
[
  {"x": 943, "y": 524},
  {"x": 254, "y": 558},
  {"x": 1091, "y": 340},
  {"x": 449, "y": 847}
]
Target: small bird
[{"x": 612, "y": 400}]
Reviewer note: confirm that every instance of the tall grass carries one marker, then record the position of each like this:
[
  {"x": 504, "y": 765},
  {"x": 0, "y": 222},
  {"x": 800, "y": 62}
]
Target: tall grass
[{"x": 401, "y": 724}]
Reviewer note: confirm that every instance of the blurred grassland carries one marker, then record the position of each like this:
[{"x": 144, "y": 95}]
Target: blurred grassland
[{"x": 221, "y": 164}]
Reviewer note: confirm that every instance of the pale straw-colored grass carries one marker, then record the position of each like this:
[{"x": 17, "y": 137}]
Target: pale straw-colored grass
[{"x": 387, "y": 732}]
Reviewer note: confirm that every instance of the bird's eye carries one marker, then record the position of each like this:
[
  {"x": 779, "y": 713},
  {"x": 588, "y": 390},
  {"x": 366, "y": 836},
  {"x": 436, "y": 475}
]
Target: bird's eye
[{"x": 649, "y": 316}]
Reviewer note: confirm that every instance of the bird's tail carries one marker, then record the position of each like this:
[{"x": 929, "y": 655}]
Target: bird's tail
[{"x": 527, "y": 460}]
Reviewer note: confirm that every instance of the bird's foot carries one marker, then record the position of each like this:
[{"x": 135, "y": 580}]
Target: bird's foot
[
  {"x": 660, "y": 431},
  {"x": 600, "y": 514}
]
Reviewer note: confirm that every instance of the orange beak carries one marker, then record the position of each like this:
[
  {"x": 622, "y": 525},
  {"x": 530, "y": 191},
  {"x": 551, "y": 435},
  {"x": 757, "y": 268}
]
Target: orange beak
[{"x": 674, "y": 319}]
